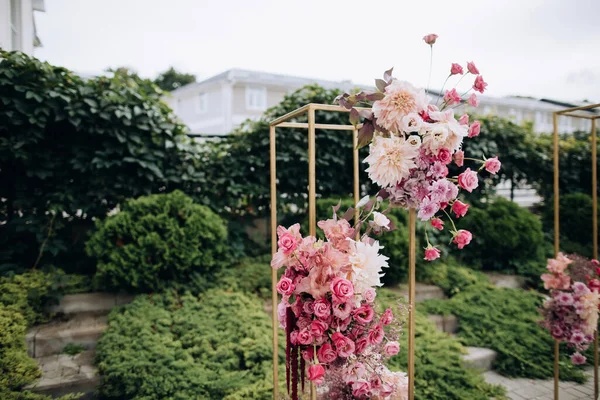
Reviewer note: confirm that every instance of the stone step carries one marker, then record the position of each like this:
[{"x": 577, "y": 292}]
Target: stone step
[
  {"x": 506, "y": 281},
  {"x": 423, "y": 292},
  {"x": 445, "y": 323},
  {"x": 50, "y": 339},
  {"x": 96, "y": 303},
  {"x": 480, "y": 358},
  {"x": 63, "y": 374}
]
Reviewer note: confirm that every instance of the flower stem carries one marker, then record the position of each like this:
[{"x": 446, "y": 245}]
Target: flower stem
[
  {"x": 451, "y": 221},
  {"x": 430, "y": 67}
]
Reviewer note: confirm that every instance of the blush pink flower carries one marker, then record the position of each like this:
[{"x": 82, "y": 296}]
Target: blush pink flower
[
  {"x": 376, "y": 335},
  {"x": 468, "y": 180},
  {"x": 479, "y": 84},
  {"x": 343, "y": 345},
  {"x": 342, "y": 289},
  {"x": 432, "y": 253},
  {"x": 336, "y": 230},
  {"x": 364, "y": 314},
  {"x": 459, "y": 208},
  {"x": 316, "y": 373},
  {"x": 430, "y": 39},
  {"x": 360, "y": 388},
  {"x": 304, "y": 336},
  {"x": 492, "y": 165},
  {"x": 462, "y": 238},
  {"x": 472, "y": 68},
  {"x": 456, "y": 69},
  {"x": 326, "y": 353},
  {"x": 318, "y": 328},
  {"x": 387, "y": 317},
  {"x": 401, "y": 99},
  {"x": 444, "y": 155},
  {"x": 285, "y": 287},
  {"x": 361, "y": 344},
  {"x": 322, "y": 308},
  {"x": 464, "y": 119},
  {"x": 473, "y": 100},
  {"x": 474, "y": 129},
  {"x": 437, "y": 223},
  {"x": 342, "y": 310},
  {"x": 578, "y": 359},
  {"x": 289, "y": 238},
  {"x": 390, "y": 160},
  {"x": 459, "y": 158},
  {"x": 427, "y": 209},
  {"x": 452, "y": 97},
  {"x": 369, "y": 295},
  {"x": 391, "y": 348}
]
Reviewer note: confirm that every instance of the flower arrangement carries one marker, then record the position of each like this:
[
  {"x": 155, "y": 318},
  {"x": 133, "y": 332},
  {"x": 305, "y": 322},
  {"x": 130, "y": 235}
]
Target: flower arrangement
[
  {"x": 571, "y": 311},
  {"x": 328, "y": 289}
]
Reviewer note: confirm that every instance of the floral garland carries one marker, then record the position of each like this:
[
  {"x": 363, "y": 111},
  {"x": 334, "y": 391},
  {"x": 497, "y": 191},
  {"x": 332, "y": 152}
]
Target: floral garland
[
  {"x": 328, "y": 307},
  {"x": 571, "y": 311}
]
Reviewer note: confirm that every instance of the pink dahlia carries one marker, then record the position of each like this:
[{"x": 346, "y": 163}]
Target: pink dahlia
[
  {"x": 390, "y": 160},
  {"x": 401, "y": 98}
]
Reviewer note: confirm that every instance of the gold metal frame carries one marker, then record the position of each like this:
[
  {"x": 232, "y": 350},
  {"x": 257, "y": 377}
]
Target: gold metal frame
[
  {"x": 575, "y": 112},
  {"x": 312, "y": 126}
]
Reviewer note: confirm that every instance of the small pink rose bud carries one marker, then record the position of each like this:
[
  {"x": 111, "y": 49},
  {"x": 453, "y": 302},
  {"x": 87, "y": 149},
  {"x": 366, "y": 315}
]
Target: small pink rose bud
[
  {"x": 474, "y": 129},
  {"x": 473, "y": 100},
  {"x": 459, "y": 158},
  {"x": 479, "y": 84},
  {"x": 468, "y": 180},
  {"x": 462, "y": 238},
  {"x": 472, "y": 68},
  {"x": 437, "y": 224},
  {"x": 464, "y": 119},
  {"x": 492, "y": 165},
  {"x": 430, "y": 39},
  {"x": 459, "y": 208},
  {"x": 456, "y": 69},
  {"x": 432, "y": 253}
]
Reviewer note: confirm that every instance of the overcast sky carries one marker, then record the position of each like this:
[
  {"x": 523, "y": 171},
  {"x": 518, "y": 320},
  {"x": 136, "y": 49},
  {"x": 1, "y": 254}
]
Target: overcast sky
[{"x": 541, "y": 48}]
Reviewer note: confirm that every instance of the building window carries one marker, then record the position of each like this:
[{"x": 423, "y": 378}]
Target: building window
[
  {"x": 202, "y": 103},
  {"x": 256, "y": 98},
  {"x": 15, "y": 24}
]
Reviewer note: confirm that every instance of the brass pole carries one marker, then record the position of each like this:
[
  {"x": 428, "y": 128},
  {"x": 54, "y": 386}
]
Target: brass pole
[
  {"x": 595, "y": 236},
  {"x": 411, "y": 301},
  {"x": 556, "y": 238},
  {"x": 273, "y": 251},
  {"x": 312, "y": 194},
  {"x": 356, "y": 180}
]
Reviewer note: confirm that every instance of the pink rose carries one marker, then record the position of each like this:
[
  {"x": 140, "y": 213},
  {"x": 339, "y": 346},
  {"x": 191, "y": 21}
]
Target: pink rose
[
  {"x": 444, "y": 155},
  {"x": 344, "y": 346},
  {"x": 322, "y": 308},
  {"x": 369, "y": 295},
  {"x": 326, "y": 354},
  {"x": 361, "y": 344},
  {"x": 594, "y": 285},
  {"x": 318, "y": 328},
  {"x": 468, "y": 180},
  {"x": 294, "y": 337},
  {"x": 473, "y": 100},
  {"x": 364, "y": 315},
  {"x": 456, "y": 69},
  {"x": 342, "y": 289},
  {"x": 376, "y": 335},
  {"x": 492, "y": 165},
  {"x": 437, "y": 223},
  {"x": 430, "y": 39},
  {"x": 472, "y": 68},
  {"x": 432, "y": 253},
  {"x": 304, "y": 336},
  {"x": 287, "y": 243},
  {"x": 460, "y": 208},
  {"x": 360, "y": 388},
  {"x": 459, "y": 158},
  {"x": 285, "y": 287},
  {"x": 309, "y": 353},
  {"x": 462, "y": 238},
  {"x": 387, "y": 317},
  {"x": 479, "y": 84},
  {"x": 391, "y": 348},
  {"x": 474, "y": 129},
  {"x": 316, "y": 373},
  {"x": 307, "y": 307},
  {"x": 452, "y": 97}
]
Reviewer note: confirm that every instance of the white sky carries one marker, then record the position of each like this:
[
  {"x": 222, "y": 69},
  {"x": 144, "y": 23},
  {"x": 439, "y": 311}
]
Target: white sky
[{"x": 542, "y": 48}]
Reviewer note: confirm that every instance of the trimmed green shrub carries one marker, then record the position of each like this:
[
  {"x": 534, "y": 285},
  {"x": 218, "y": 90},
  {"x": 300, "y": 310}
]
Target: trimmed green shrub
[
  {"x": 506, "y": 237},
  {"x": 216, "y": 346},
  {"x": 440, "y": 373},
  {"x": 506, "y": 320},
  {"x": 454, "y": 278},
  {"x": 156, "y": 240},
  {"x": 16, "y": 368},
  {"x": 250, "y": 275}
]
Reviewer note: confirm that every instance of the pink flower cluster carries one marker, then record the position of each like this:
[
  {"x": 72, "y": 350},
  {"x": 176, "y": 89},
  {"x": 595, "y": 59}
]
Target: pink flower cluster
[
  {"x": 328, "y": 309},
  {"x": 412, "y": 143},
  {"x": 571, "y": 311}
]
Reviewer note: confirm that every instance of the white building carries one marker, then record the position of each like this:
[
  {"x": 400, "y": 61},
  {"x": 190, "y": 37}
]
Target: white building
[
  {"x": 219, "y": 104},
  {"x": 17, "y": 25}
]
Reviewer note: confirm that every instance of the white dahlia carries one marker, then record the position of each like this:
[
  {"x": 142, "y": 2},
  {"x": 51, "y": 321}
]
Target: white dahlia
[{"x": 390, "y": 160}]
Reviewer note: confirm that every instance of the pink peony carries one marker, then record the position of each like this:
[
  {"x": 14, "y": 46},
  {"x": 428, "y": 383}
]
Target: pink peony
[
  {"x": 492, "y": 165},
  {"x": 316, "y": 373},
  {"x": 285, "y": 287},
  {"x": 468, "y": 180},
  {"x": 459, "y": 158},
  {"x": 369, "y": 295},
  {"x": 432, "y": 253},
  {"x": 474, "y": 129},
  {"x": 456, "y": 69},
  {"x": 479, "y": 84},
  {"x": 326, "y": 354},
  {"x": 464, "y": 119},
  {"x": 364, "y": 315},
  {"x": 430, "y": 39},
  {"x": 401, "y": 99},
  {"x": 322, "y": 308},
  {"x": 342, "y": 289},
  {"x": 462, "y": 238},
  {"x": 452, "y": 97},
  {"x": 473, "y": 100},
  {"x": 578, "y": 359},
  {"x": 472, "y": 68},
  {"x": 361, "y": 387},
  {"x": 459, "y": 208},
  {"x": 391, "y": 348},
  {"x": 437, "y": 223},
  {"x": 376, "y": 335},
  {"x": 387, "y": 317}
]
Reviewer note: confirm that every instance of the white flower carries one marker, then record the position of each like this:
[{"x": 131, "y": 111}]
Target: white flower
[
  {"x": 363, "y": 202},
  {"x": 367, "y": 265},
  {"x": 380, "y": 219},
  {"x": 436, "y": 137},
  {"x": 390, "y": 160}
]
